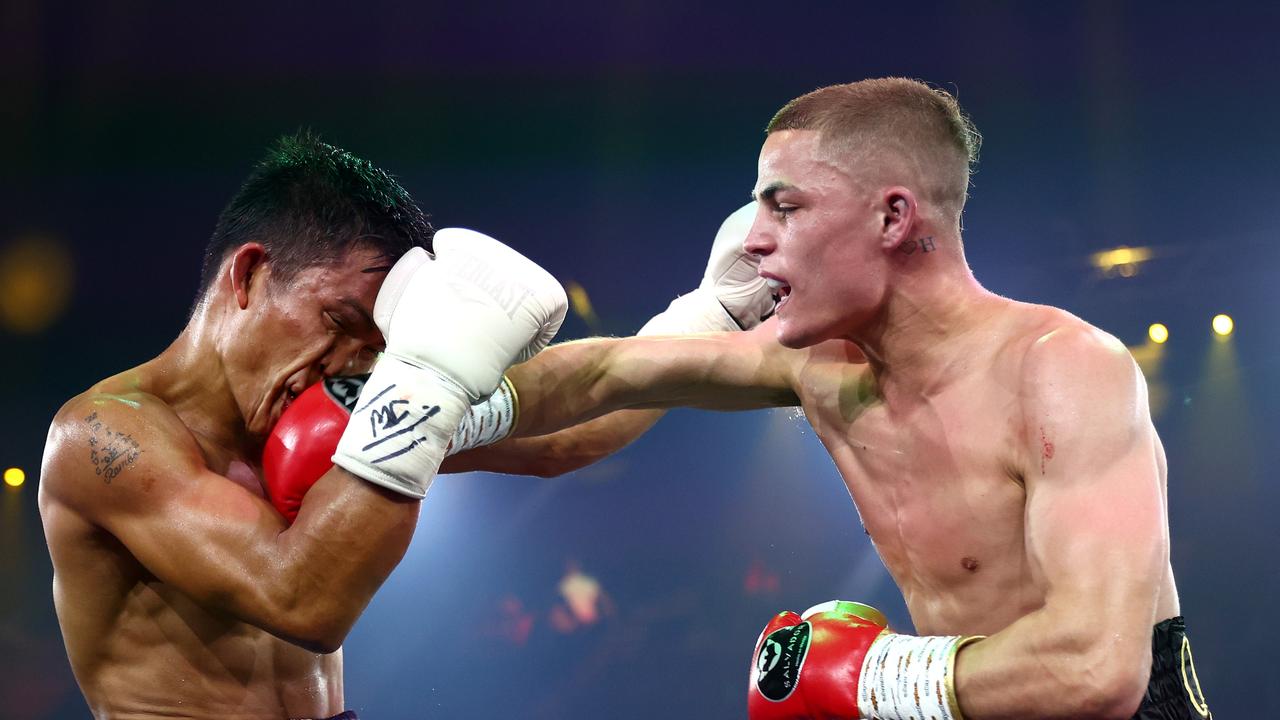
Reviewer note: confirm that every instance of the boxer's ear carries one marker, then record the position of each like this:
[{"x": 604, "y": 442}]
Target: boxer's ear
[
  {"x": 244, "y": 270},
  {"x": 898, "y": 209}
]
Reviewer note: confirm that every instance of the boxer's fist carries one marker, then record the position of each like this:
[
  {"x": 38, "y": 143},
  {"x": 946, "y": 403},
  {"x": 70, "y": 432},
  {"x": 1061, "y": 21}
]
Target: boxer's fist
[
  {"x": 732, "y": 295},
  {"x": 300, "y": 448},
  {"x": 808, "y": 666},
  {"x": 733, "y": 275},
  {"x": 453, "y": 323},
  {"x": 470, "y": 312}
]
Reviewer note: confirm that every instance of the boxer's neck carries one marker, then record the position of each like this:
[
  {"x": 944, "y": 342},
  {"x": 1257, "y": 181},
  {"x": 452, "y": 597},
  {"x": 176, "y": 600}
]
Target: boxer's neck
[
  {"x": 191, "y": 378},
  {"x": 929, "y": 330}
]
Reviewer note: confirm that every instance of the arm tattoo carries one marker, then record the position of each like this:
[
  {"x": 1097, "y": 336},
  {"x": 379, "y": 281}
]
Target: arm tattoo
[{"x": 109, "y": 451}]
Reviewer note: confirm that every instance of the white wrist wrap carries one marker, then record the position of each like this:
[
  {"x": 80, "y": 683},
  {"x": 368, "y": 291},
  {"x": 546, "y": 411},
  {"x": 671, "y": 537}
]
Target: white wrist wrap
[
  {"x": 699, "y": 311},
  {"x": 401, "y": 426},
  {"x": 488, "y": 421},
  {"x": 904, "y": 676}
]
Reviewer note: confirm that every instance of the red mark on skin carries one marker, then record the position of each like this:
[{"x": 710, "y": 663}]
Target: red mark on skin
[{"x": 1046, "y": 453}]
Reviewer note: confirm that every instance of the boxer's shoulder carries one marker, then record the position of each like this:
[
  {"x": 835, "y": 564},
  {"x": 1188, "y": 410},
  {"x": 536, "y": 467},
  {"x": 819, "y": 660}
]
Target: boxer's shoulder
[
  {"x": 103, "y": 440},
  {"x": 1072, "y": 349},
  {"x": 1043, "y": 340},
  {"x": 1072, "y": 378}
]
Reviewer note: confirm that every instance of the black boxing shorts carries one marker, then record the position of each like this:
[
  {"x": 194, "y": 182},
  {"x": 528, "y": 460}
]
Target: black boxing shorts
[
  {"x": 348, "y": 715},
  {"x": 1173, "y": 693}
]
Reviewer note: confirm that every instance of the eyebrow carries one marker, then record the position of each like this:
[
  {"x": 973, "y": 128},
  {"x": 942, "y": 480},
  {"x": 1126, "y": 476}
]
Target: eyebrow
[
  {"x": 359, "y": 309},
  {"x": 772, "y": 189},
  {"x": 380, "y": 256}
]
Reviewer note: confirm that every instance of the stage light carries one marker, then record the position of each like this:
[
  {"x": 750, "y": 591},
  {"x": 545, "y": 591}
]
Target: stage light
[
  {"x": 14, "y": 477},
  {"x": 37, "y": 277},
  {"x": 1158, "y": 333},
  {"x": 1123, "y": 261},
  {"x": 1223, "y": 325}
]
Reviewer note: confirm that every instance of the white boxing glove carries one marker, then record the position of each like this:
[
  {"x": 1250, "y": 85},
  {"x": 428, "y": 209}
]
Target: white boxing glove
[
  {"x": 453, "y": 324},
  {"x": 732, "y": 295}
]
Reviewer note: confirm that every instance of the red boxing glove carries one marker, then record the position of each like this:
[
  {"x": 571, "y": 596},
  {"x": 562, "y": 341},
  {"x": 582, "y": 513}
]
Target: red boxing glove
[
  {"x": 809, "y": 666},
  {"x": 299, "y": 450}
]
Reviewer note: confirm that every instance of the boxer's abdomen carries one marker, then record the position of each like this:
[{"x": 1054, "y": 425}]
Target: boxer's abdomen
[{"x": 139, "y": 648}]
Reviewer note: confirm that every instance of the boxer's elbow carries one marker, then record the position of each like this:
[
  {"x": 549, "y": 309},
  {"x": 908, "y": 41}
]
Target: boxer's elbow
[
  {"x": 317, "y": 620},
  {"x": 318, "y": 627},
  {"x": 558, "y": 456},
  {"x": 1110, "y": 683},
  {"x": 323, "y": 640},
  {"x": 1114, "y": 698}
]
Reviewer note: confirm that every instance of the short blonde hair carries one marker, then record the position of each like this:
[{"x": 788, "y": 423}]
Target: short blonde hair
[{"x": 909, "y": 119}]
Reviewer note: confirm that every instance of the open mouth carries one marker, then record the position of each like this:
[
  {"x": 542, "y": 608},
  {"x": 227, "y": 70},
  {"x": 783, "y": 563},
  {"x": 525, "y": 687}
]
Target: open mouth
[
  {"x": 780, "y": 291},
  {"x": 286, "y": 399},
  {"x": 289, "y": 397}
]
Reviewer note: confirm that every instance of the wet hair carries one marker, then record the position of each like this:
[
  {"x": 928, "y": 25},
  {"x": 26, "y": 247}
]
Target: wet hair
[
  {"x": 909, "y": 119},
  {"x": 309, "y": 203}
]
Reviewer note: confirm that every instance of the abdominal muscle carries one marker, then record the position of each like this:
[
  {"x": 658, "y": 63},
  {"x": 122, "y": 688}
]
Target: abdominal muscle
[{"x": 141, "y": 649}]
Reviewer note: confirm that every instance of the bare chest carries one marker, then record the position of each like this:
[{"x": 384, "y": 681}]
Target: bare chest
[
  {"x": 164, "y": 649},
  {"x": 938, "y": 489},
  {"x": 137, "y": 643}
]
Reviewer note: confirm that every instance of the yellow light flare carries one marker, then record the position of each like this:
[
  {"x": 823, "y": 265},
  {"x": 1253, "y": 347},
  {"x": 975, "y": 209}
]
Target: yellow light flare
[
  {"x": 580, "y": 303},
  {"x": 579, "y": 299},
  {"x": 37, "y": 277},
  {"x": 1158, "y": 333},
  {"x": 1123, "y": 260},
  {"x": 14, "y": 477},
  {"x": 1223, "y": 324}
]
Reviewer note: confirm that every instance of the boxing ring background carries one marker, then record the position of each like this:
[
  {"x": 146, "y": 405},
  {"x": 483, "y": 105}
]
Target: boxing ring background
[{"x": 607, "y": 141}]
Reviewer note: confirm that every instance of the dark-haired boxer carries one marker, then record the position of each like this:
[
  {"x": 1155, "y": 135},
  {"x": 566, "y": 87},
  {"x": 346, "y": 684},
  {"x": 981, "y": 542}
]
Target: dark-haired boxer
[
  {"x": 1001, "y": 454},
  {"x": 179, "y": 590}
]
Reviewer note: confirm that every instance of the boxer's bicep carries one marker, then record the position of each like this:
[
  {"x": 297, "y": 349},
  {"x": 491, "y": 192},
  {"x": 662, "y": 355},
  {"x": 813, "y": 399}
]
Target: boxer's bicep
[
  {"x": 1095, "y": 542},
  {"x": 1095, "y": 505},
  {"x": 1096, "y": 534}
]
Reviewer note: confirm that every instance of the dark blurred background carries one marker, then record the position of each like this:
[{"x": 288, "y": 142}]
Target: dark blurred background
[{"x": 608, "y": 141}]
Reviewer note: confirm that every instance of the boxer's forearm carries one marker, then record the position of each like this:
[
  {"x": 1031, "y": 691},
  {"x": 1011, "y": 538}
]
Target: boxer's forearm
[
  {"x": 312, "y": 582},
  {"x": 1051, "y": 665},
  {"x": 559, "y": 452},
  {"x": 348, "y": 537},
  {"x": 578, "y": 381},
  {"x": 563, "y": 386}
]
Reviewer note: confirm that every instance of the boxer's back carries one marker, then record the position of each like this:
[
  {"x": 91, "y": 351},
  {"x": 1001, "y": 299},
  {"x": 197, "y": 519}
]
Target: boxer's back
[
  {"x": 138, "y": 646},
  {"x": 940, "y": 478}
]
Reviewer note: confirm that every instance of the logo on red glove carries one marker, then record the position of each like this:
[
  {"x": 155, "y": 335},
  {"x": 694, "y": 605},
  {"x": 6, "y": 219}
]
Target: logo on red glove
[
  {"x": 781, "y": 656},
  {"x": 345, "y": 390}
]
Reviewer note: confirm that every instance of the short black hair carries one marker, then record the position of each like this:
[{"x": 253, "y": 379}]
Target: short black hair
[{"x": 308, "y": 203}]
